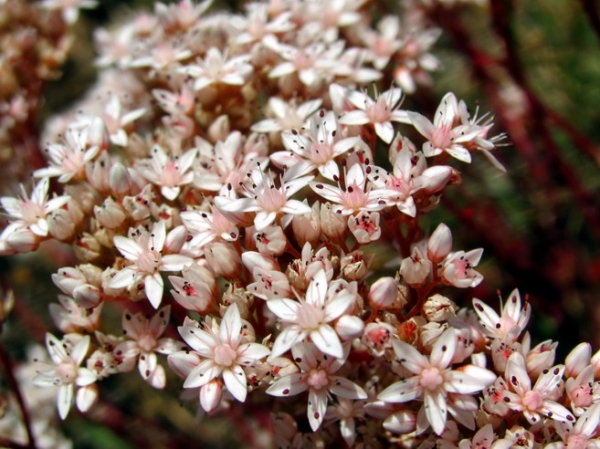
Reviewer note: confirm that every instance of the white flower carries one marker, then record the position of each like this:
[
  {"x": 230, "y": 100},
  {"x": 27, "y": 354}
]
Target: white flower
[
  {"x": 434, "y": 378},
  {"x": 311, "y": 317},
  {"x": 144, "y": 250},
  {"x": 223, "y": 355},
  {"x": 316, "y": 377},
  {"x": 380, "y": 112},
  {"x": 67, "y": 373},
  {"x": 512, "y": 316}
]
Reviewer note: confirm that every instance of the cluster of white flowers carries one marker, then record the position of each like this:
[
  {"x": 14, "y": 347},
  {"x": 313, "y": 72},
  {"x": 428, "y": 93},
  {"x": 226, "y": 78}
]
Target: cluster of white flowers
[{"x": 241, "y": 154}]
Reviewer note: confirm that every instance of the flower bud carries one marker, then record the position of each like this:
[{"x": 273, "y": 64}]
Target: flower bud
[
  {"x": 349, "y": 327},
  {"x": 110, "y": 214},
  {"x": 439, "y": 244},
  {"x": 307, "y": 227},
  {"x": 22, "y": 240},
  {"x": 355, "y": 265},
  {"x": 540, "y": 358},
  {"x": 119, "y": 180},
  {"x": 87, "y": 248},
  {"x": 438, "y": 308},
  {"x": 334, "y": 226},
  {"x": 578, "y": 359},
  {"x": 61, "y": 226},
  {"x": 223, "y": 259},
  {"x": 87, "y": 296},
  {"x": 415, "y": 270},
  {"x": 383, "y": 293}
]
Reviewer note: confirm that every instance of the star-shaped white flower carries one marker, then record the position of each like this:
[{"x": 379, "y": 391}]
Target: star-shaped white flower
[
  {"x": 434, "y": 378},
  {"x": 144, "y": 250}
]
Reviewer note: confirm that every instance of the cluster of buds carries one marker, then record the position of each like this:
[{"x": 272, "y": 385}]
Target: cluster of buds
[{"x": 242, "y": 155}]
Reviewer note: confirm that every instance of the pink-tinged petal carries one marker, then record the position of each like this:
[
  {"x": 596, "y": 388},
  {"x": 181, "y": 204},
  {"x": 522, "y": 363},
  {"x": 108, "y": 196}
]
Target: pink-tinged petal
[
  {"x": 436, "y": 411},
  {"x": 354, "y": 118},
  {"x": 64, "y": 400},
  {"x": 327, "y": 191},
  {"x": 153, "y": 287},
  {"x": 556, "y": 411},
  {"x": 128, "y": 248},
  {"x": 385, "y": 131},
  {"x": 330, "y": 170},
  {"x": 286, "y": 339},
  {"x": 338, "y": 306},
  {"x": 289, "y": 385},
  {"x": 210, "y": 396},
  {"x": 444, "y": 349},
  {"x": 57, "y": 352},
  {"x": 86, "y": 398},
  {"x": 285, "y": 309},
  {"x": 200, "y": 341},
  {"x": 307, "y": 356},
  {"x": 547, "y": 382},
  {"x": 403, "y": 391},
  {"x": 344, "y": 388},
  {"x": 80, "y": 350},
  {"x": 409, "y": 356},
  {"x": 231, "y": 325},
  {"x": 133, "y": 326},
  {"x": 264, "y": 219},
  {"x": 327, "y": 340},
  {"x": 282, "y": 69},
  {"x": 359, "y": 99},
  {"x": 422, "y": 124},
  {"x": 202, "y": 374},
  {"x": 296, "y": 207},
  {"x": 123, "y": 278},
  {"x": 251, "y": 352},
  {"x": 85, "y": 377},
  {"x": 167, "y": 346},
  {"x": 516, "y": 373},
  {"x": 183, "y": 362},
  {"x": 446, "y": 111},
  {"x": 235, "y": 381},
  {"x": 487, "y": 316},
  {"x": 158, "y": 378},
  {"x": 317, "y": 289},
  {"x": 459, "y": 152},
  {"x": 317, "y": 406},
  {"x": 469, "y": 379},
  {"x": 158, "y": 323},
  {"x": 474, "y": 256},
  {"x": 147, "y": 364}
]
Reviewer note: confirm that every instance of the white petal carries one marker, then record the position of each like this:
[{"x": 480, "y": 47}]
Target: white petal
[
  {"x": 469, "y": 379},
  {"x": 231, "y": 325},
  {"x": 385, "y": 131},
  {"x": 403, "y": 391},
  {"x": 251, "y": 352},
  {"x": 130, "y": 249},
  {"x": 285, "y": 309},
  {"x": 317, "y": 406},
  {"x": 153, "y": 286},
  {"x": 201, "y": 341},
  {"x": 346, "y": 389},
  {"x": 326, "y": 339},
  {"x": 202, "y": 374},
  {"x": 65, "y": 397},
  {"x": 435, "y": 409},
  {"x": 286, "y": 339},
  {"x": 235, "y": 381},
  {"x": 409, "y": 356},
  {"x": 288, "y": 385},
  {"x": 86, "y": 397},
  {"x": 210, "y": 396}
]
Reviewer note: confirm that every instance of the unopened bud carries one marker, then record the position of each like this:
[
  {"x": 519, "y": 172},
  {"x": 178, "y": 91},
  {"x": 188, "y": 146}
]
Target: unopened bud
[
  {"x": 438, "y": 308},
  {"x": 334, "y": 226},
  {"x": 415, "y": 270},
  {"x": 110, "y": 214},
  {"x": 383, "y": 293},
  {"x": 307, "y": 227},
  {"x": 439, "y": 244},
  {"x": 223, "y": 259}
]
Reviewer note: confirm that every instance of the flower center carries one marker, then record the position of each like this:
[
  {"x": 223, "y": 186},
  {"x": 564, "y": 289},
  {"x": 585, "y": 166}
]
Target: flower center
[
  {"x": 148, "y": 261},
  {"x": 309, "y": 316},
  {"x": 147, "y": 342},
  {"x": 224, "y": 355},
  {"x": 67, "y": 372},
  {"x": 532, "y": 400},
  {"x": 431, "y": 378},
  {"x": 317, "y": 379}
]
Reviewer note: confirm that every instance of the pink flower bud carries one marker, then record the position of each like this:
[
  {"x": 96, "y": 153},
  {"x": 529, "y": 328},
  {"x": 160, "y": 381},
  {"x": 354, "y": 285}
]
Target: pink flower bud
[
  {"x": 22, "y": 240},
  {"x": 383, "y": 293},
  {"x": 436, "y": 178},
  {"x": 439, "y": 244},
  {"x": 87, "y": 296},
  {"x": 61, "y": 225},
  {"x": 578, "y": 359},
  {"x": 87, "y": 248}
]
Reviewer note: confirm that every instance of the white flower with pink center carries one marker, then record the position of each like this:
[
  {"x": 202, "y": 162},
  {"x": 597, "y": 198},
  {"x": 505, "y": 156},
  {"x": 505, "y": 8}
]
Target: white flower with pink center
[
  {"x": 144, "y": 334},
  {"x": 66, "y": 374},
  {"x": 170, "y": 173},
  {"x": 317, "y": 377},
  {"x": 288, "y": 116},
  {"x": 268, "y": 201},
  {"x": 434, "y": 378},
  {"x": 380, "y": 112},
  {"x": 222, "y": 352},
  {"x": 539, "y": 399},
  {"x": 217, "y": 67},
  {"x": 315, "y": 148},
  {"x": 511, "y": 316},
  {"x": 358, "y": 194},
  {"x": 582, "y": 435},
  {"x": 310, "y": 316},
  {"x": 458, "y": 269},
  {"x": 32, "y": 212},
  {"x": 445, "y": 134},
  {"x": 144, "y": 249}
]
